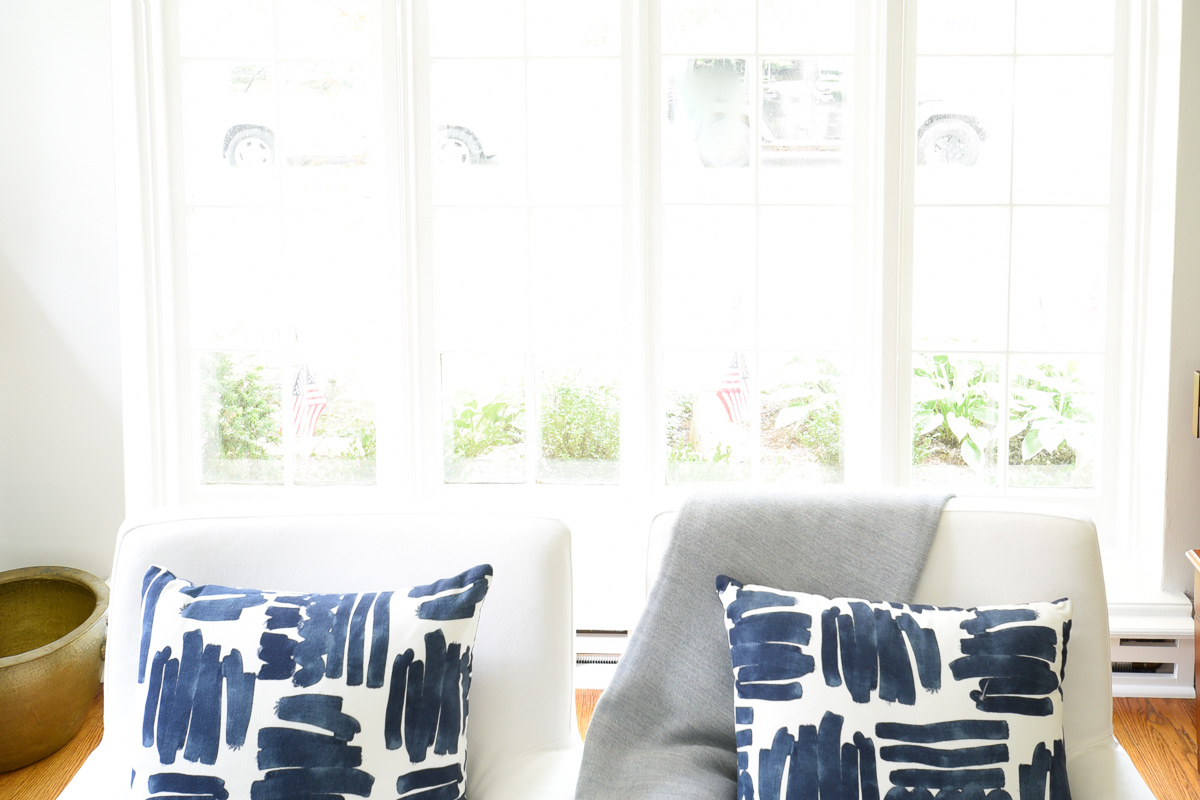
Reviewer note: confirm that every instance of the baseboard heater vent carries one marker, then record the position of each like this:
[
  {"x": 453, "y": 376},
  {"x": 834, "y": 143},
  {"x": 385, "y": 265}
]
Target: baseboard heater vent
[
  {"x": 1151, "y": 666},
  {"x": 597, "y": 652}
]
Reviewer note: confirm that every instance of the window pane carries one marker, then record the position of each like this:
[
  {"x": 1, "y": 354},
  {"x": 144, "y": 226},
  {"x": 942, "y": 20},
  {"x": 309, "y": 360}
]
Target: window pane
[
  {"x": 805, "y": 26},
  {"x": 324, "y": 137},
  {"x": 801, "y": 419},
  {"x": 478, "y": 142},
  {"x": 955, "y": 27},
  {"x": 1060, "y": 259},
  {"x": 331, "y": 415},
  {"x": 707, "y": 130},
  {"x": 806, "y": 130},
  {"x": 342, "y": 29},
  {"x": 575, "y": 131},
  {"x": 709, "y": 410},
  {"x": 964, "y": 124},
  {"x": 575, "y": 259},
  {"x": 708, "y": 266},
  {"x": 960, "y": 277},
  {"x": 476, "y": 28},
  {"x": 483, "y": 418},
  {"x": 555, "y": 28},
  {"x": 226, "y": 28},
  {"x": 580, "y": 410},
  {"x": 482, "y": 266},
  {"x": 1053, "y": 438},
  {"x": 716, "y": 26},
  {"x": 229, "y": 126},
  {"x": 1065, "y": 26},
  {"x": 805, "y": 277},
  {"x": 956, "y": 408},
  {"x": 1062, "y": 125},
  {"x": 240, "y": 419}
]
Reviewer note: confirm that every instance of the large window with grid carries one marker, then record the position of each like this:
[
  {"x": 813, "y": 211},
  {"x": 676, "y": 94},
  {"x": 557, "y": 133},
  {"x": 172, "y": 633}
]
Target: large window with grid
[{"x": 582, "y": 259}]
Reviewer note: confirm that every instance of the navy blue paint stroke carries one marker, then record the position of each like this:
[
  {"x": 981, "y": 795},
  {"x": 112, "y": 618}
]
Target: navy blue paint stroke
[
  {"x": 896, "y": 681},
  {"x": 985, "y": 619},
  {"x": 425, "y": 706},
  {"x": 153, "y": 695},
  {"x": 175, "y": 708},
  {"x": 277, "y": 652},
  {"x": 923, "y": 644},
  {"x": 431, "y": 784},
  {"x": 776, "y": 626},
  {"x": 1007, "y": 704},
  {"x": 199, "y": 787},
  {"x": 282, "y": 617},
  {"x": 380, "y": 632},
  {"x": 744, "y": 738},
  {"x": 946, "y": 758},
  {"x": 460, "y": 605},
  {"x": 817, "y": 763},
  {"x": 204, "y": 726},
  {"x": 859, "y": 651},
  {"x": 1024, "y": 640},
  {"x": 1011, "y": 674},
  {"x": 207, "y": 606},
  {"x": 743, "y": 715},
  {"x": 357, "y": 640},
  {"x": 459, "y": 581},
  {"x": 287, "y": 747},
  {"x": 829, "y": 762},
  {"x": 948, "y": 779},
  {"x": 320, "y": 710},
  {"x": 1062, "y": 667},
  {"x": 1045, "y": 767},
  {"x": 868, "y": 777},
  {"x": 932, "y": 733},
  {"x": 149, "y": 603},
  {"x": 748, "y": 600},
  {"x": 239, "y": 698},
  {"x": 829, "y": 648},
  {"x": 316, "y": 637},
  {"x": 393, "y": 715},
  {"x": 318, "y": 783}
]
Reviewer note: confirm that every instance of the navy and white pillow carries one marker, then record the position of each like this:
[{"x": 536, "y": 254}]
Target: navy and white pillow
[
  {"x": 268, "y": 695},
  {"x": 845, "y": 698}
]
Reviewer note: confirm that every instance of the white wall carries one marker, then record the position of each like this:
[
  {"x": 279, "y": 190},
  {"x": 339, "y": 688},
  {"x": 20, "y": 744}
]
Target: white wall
[
  {"x": 61, "y": 485},
  {"x": 1182, "y": 517}
]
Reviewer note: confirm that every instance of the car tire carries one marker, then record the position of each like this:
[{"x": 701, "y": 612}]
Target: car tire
[
  {"x": 948, "y": 142},
  {"x": 251, "y": 147},
  {"x": 456, "y": 147},
  {"x": 724, "y": 142}
]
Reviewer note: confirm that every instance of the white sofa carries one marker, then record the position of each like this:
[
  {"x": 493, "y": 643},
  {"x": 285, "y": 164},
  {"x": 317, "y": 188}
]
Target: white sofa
[
  {"x": 998, "y": 551},
  {"x": 523, "y": 739}
]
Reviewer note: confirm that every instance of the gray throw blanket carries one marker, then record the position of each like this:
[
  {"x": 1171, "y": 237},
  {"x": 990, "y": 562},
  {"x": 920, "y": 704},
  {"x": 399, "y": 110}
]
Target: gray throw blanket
[{"x": 664, "y": 728}]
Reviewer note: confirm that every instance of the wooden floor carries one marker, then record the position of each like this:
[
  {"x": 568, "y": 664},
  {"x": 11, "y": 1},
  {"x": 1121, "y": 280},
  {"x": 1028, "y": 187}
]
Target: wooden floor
[{"x": 1160, "y": 736}]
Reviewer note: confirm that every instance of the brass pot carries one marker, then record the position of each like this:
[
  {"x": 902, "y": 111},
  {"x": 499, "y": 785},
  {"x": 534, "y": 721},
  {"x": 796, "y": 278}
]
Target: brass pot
[{"x": 51, "y": 634}]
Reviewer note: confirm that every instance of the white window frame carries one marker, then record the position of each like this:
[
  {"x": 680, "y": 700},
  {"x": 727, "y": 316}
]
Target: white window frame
[{"x": 613, "y": 520}]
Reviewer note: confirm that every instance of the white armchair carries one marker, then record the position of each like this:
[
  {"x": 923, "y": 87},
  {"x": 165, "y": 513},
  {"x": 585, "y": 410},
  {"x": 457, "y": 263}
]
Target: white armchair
[
  {"x": 989, "y": 552},
  {"x": 523, "y": 740}
]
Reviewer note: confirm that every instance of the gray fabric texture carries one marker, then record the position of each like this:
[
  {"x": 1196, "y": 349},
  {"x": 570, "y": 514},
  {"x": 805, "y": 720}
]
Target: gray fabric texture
[{"x": 664, "y": 728}]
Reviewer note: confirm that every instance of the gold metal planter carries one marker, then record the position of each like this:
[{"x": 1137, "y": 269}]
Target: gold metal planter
[{"x": 51, "y": 635}]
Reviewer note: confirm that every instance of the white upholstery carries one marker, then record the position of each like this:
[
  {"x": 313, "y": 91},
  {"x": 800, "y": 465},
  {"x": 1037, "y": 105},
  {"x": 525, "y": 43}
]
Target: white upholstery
[
  {"x": 998, "y": 551},
  {"x": 523, "y": 739}
]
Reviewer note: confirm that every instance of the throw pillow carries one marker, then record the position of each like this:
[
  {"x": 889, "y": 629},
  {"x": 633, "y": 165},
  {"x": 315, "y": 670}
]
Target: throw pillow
[
  {"x": 276, "y": 695},
  {"x": 846, "y": 698}
]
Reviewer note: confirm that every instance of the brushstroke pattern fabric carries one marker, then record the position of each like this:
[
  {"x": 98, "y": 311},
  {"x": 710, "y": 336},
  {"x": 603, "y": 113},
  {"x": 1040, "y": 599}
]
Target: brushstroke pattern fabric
[
  {"x": 272, "y": 695},
  {"x": 846, "y": 699}
]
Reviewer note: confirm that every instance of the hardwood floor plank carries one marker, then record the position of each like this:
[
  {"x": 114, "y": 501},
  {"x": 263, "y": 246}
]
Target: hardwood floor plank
[{"x": 1160, "y": 737}]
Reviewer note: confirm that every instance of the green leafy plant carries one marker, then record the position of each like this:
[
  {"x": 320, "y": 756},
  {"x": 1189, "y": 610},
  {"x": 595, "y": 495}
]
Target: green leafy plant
[
  {"x": 806, "y": 411},
  {"x": 953, "y": 401},
  {"x": 362, "y": 436},
  {"x": 1047, "y": 413},
  {"x": 243, "y": 418},
  {"x": 580, "y": 421},
  {"x": 476, "y": 430}
]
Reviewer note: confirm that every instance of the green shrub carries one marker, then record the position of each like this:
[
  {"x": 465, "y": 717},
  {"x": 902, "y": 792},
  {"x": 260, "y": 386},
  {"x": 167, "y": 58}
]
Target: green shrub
[
  {"x": 242, "y": 414},
  {"x": 477, "y": 431},
  {"x": 581, "y": 422}
]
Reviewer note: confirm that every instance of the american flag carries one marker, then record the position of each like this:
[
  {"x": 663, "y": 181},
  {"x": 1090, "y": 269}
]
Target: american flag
[
  {"x": 733, "y": 392},
  {"x": 308, "y": 401}
]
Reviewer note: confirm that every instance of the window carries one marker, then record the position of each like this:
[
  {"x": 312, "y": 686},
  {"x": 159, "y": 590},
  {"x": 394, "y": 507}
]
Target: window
[{"x": 581, "y": 259}]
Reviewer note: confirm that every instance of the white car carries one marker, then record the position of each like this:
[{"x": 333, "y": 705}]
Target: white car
[{"x": 252, "y": 145}]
